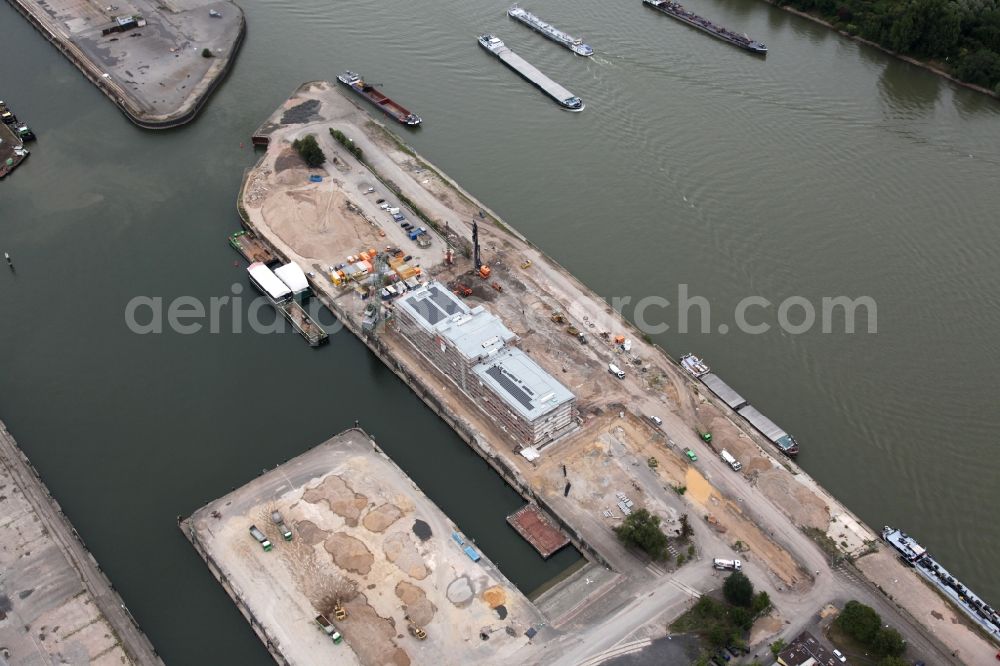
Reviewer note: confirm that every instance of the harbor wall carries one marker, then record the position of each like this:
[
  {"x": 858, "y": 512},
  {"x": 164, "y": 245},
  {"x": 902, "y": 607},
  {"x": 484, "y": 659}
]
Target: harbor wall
[
  {"x": 34, "y": 13},
  {"x": 258, "y": 627},
  {"x": 97, "y": 587}
]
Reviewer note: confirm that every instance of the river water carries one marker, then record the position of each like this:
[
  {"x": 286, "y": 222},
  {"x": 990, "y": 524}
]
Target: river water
[{"x": 827, "y": 169}]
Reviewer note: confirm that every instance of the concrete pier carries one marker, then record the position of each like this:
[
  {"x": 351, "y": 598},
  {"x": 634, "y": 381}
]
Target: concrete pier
[
  {"x": 364, "y": 537},
  {"x": 56, "y": 605},
  {"x": 152, "y": 68}
]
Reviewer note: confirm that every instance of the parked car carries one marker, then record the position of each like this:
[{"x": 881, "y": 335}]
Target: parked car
[
  {"x": 691, "y": 454},
  {"x": 840, "y": 655}
]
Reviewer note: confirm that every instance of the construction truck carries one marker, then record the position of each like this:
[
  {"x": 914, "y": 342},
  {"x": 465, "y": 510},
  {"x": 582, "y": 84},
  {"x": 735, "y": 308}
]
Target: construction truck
[
  {"x": 416, "y": 631},
  {"x": 728, "y": 458},
  {"x": 259, "y": 536},
  {"x": 328, "y": 628},
  {"x": 339, "y": 612},
  {"x": 276, "y": 518}
]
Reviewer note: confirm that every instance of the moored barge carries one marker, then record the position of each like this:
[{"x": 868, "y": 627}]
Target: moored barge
[{"x": 391, "y": 108}]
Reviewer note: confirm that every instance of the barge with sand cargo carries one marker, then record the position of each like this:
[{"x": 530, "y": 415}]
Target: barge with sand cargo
[
  {"x": 700, "y": 370},
  {"x": 677, "y": 11},
  {"x": 561, "y": 95},
  {"x": 393, "y": 109},
  {"x": 549, "y": 31}
]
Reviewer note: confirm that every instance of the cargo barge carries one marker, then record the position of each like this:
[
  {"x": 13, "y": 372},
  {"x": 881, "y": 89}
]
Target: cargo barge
[
  {"x": 917, "y": 557},
  {"x": 781, "y": 439},
  {"x": 397, "y": 111},
  {"x": 574, "y": 44},
  {"x": 677, "y": 11},
  {"x": 563, "y": 97}
]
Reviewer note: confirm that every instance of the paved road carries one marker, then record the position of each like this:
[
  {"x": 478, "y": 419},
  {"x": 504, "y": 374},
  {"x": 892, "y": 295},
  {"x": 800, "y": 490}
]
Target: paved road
[{"x": 133, "y": 640}]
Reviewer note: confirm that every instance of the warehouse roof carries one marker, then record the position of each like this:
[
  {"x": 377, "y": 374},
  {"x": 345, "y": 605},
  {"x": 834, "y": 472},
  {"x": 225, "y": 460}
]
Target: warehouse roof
[{"x": 522, "y": 384}]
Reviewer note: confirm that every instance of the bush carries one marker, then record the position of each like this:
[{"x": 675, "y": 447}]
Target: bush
[
  {"x": 738, "y": 590},
  {"x": 352, "y": 147},
  {"x": 761, "y": 604},
  {"x": 859, "y": 622},
  {"x": 642, "y": 529},
  {"x": 309, "y": 150},
  {"x": 206, "y": 53}
]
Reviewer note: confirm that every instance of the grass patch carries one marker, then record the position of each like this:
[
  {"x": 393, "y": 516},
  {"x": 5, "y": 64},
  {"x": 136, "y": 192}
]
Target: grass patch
[{"x": 827, "y": 544}]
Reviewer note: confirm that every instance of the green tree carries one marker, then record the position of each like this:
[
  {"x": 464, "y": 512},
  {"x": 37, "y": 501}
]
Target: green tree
[
  {"x": 206, "y": 53},
  {"x": 761, "y": 604},
  {"x": 777, "y": 646},
  {"x": 309, "y": 150},
  {"x": 741, "y": 617},
  {"x": 738, "y": 590},
  {"x": 981, "y": 67},
  {"x": 888, "y": 643},
  {"x": 859, "y": 621},
  {"x": 686, "y": 529},
  {"x": 719, "y": 635},
  {"x": 642, "y": 529}
]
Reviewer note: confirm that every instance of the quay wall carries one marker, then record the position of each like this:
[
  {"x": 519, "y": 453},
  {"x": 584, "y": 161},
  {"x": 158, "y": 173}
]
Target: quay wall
[
  {"x": 98, "y": 587},
  {"x": 122, "y": 99}
]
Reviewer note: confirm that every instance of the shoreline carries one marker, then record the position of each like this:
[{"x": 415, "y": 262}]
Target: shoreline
[
  {"x": 905, "y": 58},
  {"x": 97, "y": 589},
  {"x": 562, "y": 289},
  {"x": 126, "y": 102}
]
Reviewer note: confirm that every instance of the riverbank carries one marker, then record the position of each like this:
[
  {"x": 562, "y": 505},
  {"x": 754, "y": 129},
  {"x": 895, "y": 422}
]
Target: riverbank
[
  {"x": 55, "y": 602},
  {"x": 147, "y": 57},
  {"x": 867, "y": 42},
  {"x": 766, "y": 502}
]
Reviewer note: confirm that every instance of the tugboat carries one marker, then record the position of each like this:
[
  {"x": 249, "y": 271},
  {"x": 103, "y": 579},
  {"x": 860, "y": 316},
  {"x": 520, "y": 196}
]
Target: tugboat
[
  {"x": 676, "y": 10},
  {"x": 574, "y": 44},
  {"x": 389, "y": 107},
  {"x": 24, "y": 132}
]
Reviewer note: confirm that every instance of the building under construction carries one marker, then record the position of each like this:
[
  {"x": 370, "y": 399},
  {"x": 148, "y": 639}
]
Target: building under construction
[{"x": 474, "y": 348}]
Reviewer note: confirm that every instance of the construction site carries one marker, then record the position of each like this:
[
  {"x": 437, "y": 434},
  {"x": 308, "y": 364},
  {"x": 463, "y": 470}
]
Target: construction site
[{"x": 564, "y": 398}]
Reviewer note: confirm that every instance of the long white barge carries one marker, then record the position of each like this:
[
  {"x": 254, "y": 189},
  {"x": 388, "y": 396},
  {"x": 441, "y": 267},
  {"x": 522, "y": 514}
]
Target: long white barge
[
  {"x": 917, "y": 557},
  {"x": 574, "y": 44},
  {"x": 563, "y": 97}
]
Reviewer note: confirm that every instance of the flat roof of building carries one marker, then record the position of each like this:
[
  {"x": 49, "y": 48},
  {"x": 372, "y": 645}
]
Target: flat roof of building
[
  {"x": 522, "y": 384},
  {"x": 476, "y": 333},
  {"x": 805, "y": 650},
  {"x": 432, "y": 304}
]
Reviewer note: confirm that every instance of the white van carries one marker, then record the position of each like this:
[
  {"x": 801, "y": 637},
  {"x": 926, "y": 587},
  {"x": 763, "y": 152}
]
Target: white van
[{"x": 616, "y": 371}]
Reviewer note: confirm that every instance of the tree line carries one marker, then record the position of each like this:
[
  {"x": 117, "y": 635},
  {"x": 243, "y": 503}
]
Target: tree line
[{"x": 962, "y": 36}]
